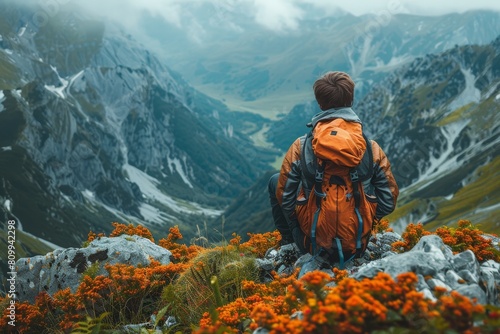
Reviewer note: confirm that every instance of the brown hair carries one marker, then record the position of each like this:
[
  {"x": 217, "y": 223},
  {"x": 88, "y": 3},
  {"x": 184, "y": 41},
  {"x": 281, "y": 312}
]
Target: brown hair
[{"x": 334, "y": 90}]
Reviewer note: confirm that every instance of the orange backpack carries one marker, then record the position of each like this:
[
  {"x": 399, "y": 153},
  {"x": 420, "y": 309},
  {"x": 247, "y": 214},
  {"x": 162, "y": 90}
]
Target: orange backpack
[{"x": 335, "y": 208}]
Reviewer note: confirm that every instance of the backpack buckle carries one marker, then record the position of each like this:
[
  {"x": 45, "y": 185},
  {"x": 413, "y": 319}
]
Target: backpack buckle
[{"x": 354, "y": 175}]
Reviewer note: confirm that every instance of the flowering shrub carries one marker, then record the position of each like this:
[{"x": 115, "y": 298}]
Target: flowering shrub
[
  {"x": 120, "y": 229},
  {"x": 29, "y": 318},
  {"x": 468, "y": 237},
  {"x": 180, "y": 252},
  {"x": 130, "y": 229},
  {"x": 382, "y": 226},
  {"x": 465, "y": 237},
  {"x": 260, "y": 243},
  {"x": 411, "y": 236},
  {"x": 352, "y": 306}
]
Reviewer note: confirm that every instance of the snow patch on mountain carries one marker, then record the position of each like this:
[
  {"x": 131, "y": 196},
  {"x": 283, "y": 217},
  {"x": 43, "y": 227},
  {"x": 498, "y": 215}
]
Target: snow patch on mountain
[
  {"x": 445, "y": 162},
  {"x": 2, "y": 98},
  {"x": 154, "y": 215},
  {"x": 469, "y": 94},
  {"x": 90, "y": 196},
  {"x": 7, "y": 204},
  {"x": 488, "y": 208},
  {"x": 21, "y": 31},
  {"x": 59, "y": 91},
  {"x": 149, "y": 188},
  {"x": 175, "y": 164}
]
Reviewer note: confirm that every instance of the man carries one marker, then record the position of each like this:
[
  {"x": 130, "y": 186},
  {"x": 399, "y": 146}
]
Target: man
[{"x": 333, "y": 212}]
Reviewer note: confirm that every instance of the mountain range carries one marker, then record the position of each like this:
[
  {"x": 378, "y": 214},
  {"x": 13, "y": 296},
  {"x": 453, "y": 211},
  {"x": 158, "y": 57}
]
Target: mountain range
[{"x": 94, "y": 128}]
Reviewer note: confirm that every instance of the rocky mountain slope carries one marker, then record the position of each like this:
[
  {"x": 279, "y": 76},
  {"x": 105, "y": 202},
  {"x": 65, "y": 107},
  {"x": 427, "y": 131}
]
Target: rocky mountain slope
[
  {"x": 94, "y": 128},
  {"x": 438, "y": 119}
]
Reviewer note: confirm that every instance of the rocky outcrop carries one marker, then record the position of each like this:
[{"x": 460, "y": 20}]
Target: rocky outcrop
[
  {"x": 432, "y": 261},
  {"x": 64, "y": 268}
]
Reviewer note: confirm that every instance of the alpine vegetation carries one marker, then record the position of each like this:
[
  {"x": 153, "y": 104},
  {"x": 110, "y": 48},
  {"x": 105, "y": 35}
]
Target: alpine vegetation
[{"x": 435, "y": 282}]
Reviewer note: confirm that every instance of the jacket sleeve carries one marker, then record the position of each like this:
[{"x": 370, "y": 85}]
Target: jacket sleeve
[
  {"x": 384, "y": 183},
  {"x": 289, "y": 182}
]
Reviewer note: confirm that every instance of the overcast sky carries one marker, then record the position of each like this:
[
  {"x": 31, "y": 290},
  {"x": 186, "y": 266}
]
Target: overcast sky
[{"x": 278, "y": 14}]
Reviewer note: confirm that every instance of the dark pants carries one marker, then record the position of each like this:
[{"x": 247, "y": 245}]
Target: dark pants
[{"x": 278, "y": 216}]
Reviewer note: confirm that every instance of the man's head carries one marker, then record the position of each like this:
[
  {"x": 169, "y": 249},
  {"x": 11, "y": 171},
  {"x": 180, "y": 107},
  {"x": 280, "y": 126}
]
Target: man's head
[{"x": 334, "y": 90}]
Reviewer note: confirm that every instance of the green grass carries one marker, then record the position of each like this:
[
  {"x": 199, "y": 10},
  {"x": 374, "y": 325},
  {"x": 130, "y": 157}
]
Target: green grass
[
  {"x": 9, "y": 75},
  {"x": 270, "y": 106},
  {"x": 26, "y": 246},
  {"x": 481, "y": 193},
  {"x": 466, "y": 203},
  {"x": 457, "y": 115}
]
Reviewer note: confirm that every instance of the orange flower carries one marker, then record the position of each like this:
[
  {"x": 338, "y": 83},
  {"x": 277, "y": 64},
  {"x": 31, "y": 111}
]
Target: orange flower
[
  {"x": 131, "y": 230},
  {"x": 260, "y": 243}
]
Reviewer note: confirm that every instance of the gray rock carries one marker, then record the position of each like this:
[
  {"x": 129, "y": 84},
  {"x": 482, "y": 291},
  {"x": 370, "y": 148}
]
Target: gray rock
[
  {"x": 387, "y": 254},
  {"x": 63, "y": 268},
  {"x": 264, "y": 264},
  {"x": 302, "y": 260},
  {"x": 495, "y": 272},
  {"x": 419, "y": 262},
  {"x": 428, "y": 294},
  {"x": 466, "y": 261},
  {"x": 434, "y": 283},
  {"x": 308, "y": 263},
  {"x": 433, "y": 244},
  {"x": 284, "y": 270},
  {"x": 297, "y": 315},
  {"x": 372, "y": 247},
  {"x": 389, "y": 238},
  {"x": 491, "y": 264},
  {"x": 473, "y": 291},
  {"x": 271, "y": 253},
  {"x": 468, "y": 276},
  {"x": 421, "y": 284},
  {"x": 453, "y": 279},
  {"x": 441, "y": 277},
  {"x": 287, "y": 255},
  {"x": 488, "y": 281}
]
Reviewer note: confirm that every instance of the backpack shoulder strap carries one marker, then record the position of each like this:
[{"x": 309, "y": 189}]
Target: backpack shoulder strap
[
  {"x": 308, "y": 163},
  {"x": 365, "y": 167},
  {"x": 358, "y": 174}
]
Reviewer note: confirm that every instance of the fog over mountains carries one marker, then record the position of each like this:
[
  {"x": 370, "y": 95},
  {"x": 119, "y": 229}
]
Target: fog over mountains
[{"x": 98, "y": 125}]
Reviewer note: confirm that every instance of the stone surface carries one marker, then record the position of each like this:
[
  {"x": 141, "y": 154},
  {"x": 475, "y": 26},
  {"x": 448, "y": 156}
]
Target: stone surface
[
  {"x": 432, "y": 243},
  {"x": 488, "y": 281},
  {"x": 63, "y": 268},
  {"x": 466, "y": 261},
  {"x": 473, "y": 291},
  {"x": 420, "y": 262},
  {"x": 434, "y": 283},
  {"x": 453, "y": 279}
]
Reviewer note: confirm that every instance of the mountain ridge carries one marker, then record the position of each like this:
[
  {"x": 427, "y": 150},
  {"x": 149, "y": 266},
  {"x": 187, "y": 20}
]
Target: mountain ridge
[{"x": 108, "y": 132}]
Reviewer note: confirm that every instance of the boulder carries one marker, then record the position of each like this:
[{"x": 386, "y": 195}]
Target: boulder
[{"x": 64, "y": 268}]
